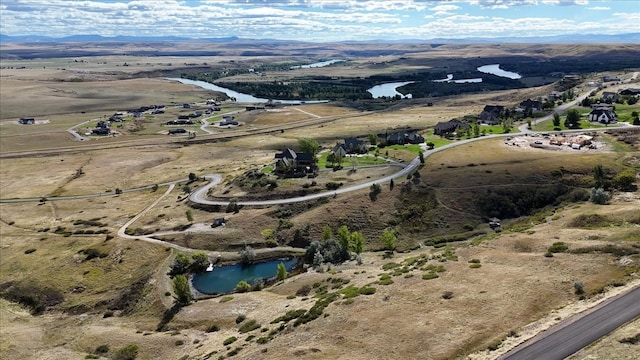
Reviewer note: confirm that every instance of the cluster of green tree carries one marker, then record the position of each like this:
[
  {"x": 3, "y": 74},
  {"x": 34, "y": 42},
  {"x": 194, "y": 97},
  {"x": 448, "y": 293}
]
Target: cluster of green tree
[
  {"x": 512, "y": 202},
  {"x": 573, "y": 65},
  {"x": 426, "y": 88},
  {"x": 184, "y": 264},
  {"x": 301, "y": 89},
  {"x": 336, "y": 249}
]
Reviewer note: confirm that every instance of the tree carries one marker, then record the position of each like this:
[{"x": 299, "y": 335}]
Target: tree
[
  {"x": 154, "y": 188},
  {"x": 118, "y": 191},
  {"x": 243, "y": 286},
  {"x": 599, "y": 196},
  {"x": 308, "y": 145},
  {"x": 326, "y": 233},
  {"x": 476, "y": 130},
  {"x": 600, "y": 176},
  {"x": 632, "y": 100},
  {"x": 373, "y": 139},
  {"x": 186, "y": 189},
  {"x": 282, "y": 272},
  {"x": 572, "y": 121},
  {"x": 391, "y": 184},
  {"x": 430, "y": 145},
  {"x": 181, "y": 289},
  {"x": 192, "y": 177},
  {"x": 180, "y": 265},
  {"x": 421, "y": 156},
  {"x": 247, "y": 255},
  {"x": 189, "y": 215},
  {"x": 389, "y": 239},
  {"x": 357, "y": 242},
  {"x": 556, "y": 119},
  {"x": 344, "y": 236},
  {"x": 200, "y": 262}
]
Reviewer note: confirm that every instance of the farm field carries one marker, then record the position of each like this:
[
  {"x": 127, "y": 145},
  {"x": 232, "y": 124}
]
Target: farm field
[{"x": 453, "y": 288}]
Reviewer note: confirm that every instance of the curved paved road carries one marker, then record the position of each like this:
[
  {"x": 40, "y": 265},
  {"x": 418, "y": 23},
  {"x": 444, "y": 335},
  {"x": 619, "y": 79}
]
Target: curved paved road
[{"x": 580, "y": 330}]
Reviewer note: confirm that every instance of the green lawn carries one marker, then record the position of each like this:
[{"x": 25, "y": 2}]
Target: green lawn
[
  {"x": 414, "y": 148},
  {"x": 360, "y": 160}
]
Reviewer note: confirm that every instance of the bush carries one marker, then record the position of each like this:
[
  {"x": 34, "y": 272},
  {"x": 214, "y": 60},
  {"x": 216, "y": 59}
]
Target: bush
[
  {"x": 579, "y": 287},
  {"x": 558, "y": 247},
  {"x": 229, "y": 340},
  {"x": 243, "y": 286},
  {"x": 290, "y": 315},
  {"x": 240, "y": 318},
  {"x": 249, "y": 326},
  {"x": 102, "y": 349},
  {"x": 213, "y": 328},
  {"x": 447, "y": 295},
  {"x": 29, "y": 251},
  {"x": 429, "y": 276},
  {"x": 599, "y": 196},
  {"x": 129, "y": 352}
]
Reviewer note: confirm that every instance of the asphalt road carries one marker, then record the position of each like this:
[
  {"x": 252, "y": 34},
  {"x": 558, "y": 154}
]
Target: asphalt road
[{"x": 579, "y": 331}]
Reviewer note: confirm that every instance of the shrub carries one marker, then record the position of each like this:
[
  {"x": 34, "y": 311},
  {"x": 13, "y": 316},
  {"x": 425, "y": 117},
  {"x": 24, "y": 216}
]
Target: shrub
[
  {"x": 213, "y": 328},
  {"x": 179, "y": 342},
  {"x": 129, "y": 352},
  {"x": 474, "y": 261},
  {"x": 249, "y": 326},
  {"x": 29, "y": 251},
  {"x": 599, "y": 196},
  {"x": 102, "y": 349},
  {"x": 229, "y": 340},
  {"x": 290, "y": 315},
  {"x": 240, "y": 318},
  {"x": 429, "y": 276},
  {"x": 304, "y": 290},
  {"x": 558, "y": 247},
  {"x": 579, "y": 287},
  {"x": 243, "y": 286},
  {"x": 475, "y": 266},
  {"x": 447, "y": 295}
]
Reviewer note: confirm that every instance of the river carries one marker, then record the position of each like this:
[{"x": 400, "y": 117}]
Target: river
[
  {"x": 240, "y": 97},
  {"x": 389, "y": 90},
  {"x": 318, "y": 64},
  {"x": 494, "y": 69}
]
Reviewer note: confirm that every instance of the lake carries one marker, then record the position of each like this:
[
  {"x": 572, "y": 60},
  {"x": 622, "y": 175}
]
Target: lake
[
  {"x": 240, "y": 97},
  {"x": 223, "y": 279},
  {"x": 494, "y": 69},
  {"x": 389, "y": 89}
]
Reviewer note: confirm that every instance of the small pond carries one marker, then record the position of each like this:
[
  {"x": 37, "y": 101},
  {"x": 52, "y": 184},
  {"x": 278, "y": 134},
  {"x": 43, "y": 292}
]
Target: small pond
[
  {"x": 223, "y": 279},
  {"x": 495, "y": 70}
]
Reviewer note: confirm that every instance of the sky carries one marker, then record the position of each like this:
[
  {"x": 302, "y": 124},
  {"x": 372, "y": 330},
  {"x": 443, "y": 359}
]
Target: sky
[{"x": 321, "y": 20}]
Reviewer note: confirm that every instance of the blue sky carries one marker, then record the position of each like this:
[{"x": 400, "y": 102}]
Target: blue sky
[{"x": 328, "y": 20}]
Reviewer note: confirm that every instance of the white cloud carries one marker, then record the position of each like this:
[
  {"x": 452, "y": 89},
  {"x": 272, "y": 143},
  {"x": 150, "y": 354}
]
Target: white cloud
[
  {"x": 599, "y": 8},
  {"x": 445, "y": 8}
]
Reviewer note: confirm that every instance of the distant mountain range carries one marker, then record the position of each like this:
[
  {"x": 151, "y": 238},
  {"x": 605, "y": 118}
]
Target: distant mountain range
[{"x": 627, "y": 38}]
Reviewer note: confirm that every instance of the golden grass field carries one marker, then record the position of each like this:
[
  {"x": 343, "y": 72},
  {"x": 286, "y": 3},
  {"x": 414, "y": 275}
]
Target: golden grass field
[{"x": 516, "y": 290}]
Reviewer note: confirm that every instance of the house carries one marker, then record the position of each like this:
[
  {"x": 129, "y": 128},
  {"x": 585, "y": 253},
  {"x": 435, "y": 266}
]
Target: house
[
  {"x": 554, "y": 95},
  {"x": 27, "y": 121},
  {"x": 491, "y": 114},
  {"x": 630, "y": 91},
  {"x": 610, "y": 97},
  {"x": 186, "y": 106},
  {"x": 291, "y": 163},
  {"x": 228, "y": 122},
  {"x": 355, "y": 146},
  {"x": 101, "y": 131},
  {"x": 218, "y": 222},
  {"x": 603, "y": 114},
  {"x": 177, "y": 131},
  {"x": 404, "y": 137},
  {"x": 450, "y": 127},
  {"x": 610, "y": 78},
  {"x": 102, "y": 124},
  {"x": 339, "y": 151},
  {"x": 531, "y": 104},
  {"x": 180, "y": 122}
]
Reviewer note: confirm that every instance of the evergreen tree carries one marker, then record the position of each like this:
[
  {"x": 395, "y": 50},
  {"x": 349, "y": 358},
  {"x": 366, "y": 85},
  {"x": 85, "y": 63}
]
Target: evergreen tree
[
  {"x": 282, "y": 272},
  {"x": 181, "y": 289}
]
